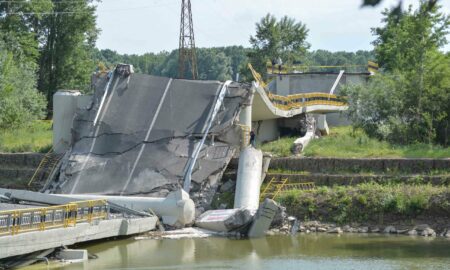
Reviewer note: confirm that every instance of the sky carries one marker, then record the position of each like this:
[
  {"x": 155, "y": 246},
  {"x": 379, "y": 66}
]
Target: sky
[{"x": 140, "y": 26}]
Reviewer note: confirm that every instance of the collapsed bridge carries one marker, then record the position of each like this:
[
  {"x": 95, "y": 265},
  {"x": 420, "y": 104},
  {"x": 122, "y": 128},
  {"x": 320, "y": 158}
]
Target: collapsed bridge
[
  {"x": 139, "y": 139},
  {"x": 145, "y": 135}
]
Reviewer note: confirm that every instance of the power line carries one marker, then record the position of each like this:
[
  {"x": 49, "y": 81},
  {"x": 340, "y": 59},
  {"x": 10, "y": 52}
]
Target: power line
[{"x": 86, "y": 11}]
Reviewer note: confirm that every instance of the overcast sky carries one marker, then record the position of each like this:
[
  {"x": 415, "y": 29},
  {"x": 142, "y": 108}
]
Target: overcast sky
[{"x": 139, "y": 26}]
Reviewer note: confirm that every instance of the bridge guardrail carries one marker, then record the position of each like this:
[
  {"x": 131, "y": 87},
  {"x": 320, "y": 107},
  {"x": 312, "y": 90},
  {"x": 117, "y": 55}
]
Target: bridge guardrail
[
  {"x": 302, "y": 100},
  {"x": 298, "y": 100},
  {"x": 17, "y": 221}
]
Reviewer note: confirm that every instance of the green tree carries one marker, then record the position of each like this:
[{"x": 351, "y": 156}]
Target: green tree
[
  {"x": 409, "y": 102},
  {"x": 213, "y": 65},
  {"x": 21, "y": 27},
  {"x": 66, "y": 58},
  {"x": 284, "y": 38},
  {"x": 20, "y": 102}
]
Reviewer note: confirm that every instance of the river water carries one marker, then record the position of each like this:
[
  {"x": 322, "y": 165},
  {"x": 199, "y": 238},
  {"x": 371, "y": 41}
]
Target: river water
[{"x": 312, "y": 251}]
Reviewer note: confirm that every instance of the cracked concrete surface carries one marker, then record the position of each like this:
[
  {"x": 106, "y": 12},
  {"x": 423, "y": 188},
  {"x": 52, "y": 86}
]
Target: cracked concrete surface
[{"x": 147, "y": 129}]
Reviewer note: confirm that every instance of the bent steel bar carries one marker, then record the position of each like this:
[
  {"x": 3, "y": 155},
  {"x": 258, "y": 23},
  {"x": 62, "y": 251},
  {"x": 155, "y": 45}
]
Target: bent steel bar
[
  {"x": 219, "y": 101},
  {"x": 104, "y": 96}
]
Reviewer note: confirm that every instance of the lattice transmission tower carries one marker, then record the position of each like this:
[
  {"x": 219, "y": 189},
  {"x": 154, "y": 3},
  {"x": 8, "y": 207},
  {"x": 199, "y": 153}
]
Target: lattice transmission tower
[{"x": 187, "y": 56}]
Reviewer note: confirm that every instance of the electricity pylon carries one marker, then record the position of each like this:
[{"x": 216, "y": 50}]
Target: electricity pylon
[{"x": 186, "y": 52}]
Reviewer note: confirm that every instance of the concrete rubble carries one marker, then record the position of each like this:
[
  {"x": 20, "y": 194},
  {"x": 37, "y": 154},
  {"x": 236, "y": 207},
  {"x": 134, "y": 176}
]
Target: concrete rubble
[{"x": 225, "y": 220}]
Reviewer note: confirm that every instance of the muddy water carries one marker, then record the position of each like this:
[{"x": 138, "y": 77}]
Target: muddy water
[{"x": 276, "y": 252}]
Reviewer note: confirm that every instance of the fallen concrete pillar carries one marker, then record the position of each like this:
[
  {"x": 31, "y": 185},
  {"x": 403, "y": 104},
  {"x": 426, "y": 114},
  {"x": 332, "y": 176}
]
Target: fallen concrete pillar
[
  {"x": 248, "y": 181},
  {"x": 176, "y": 210},
  {"x": 263, "y": 218},
  {"x": 301, "y": 143},
  {"x": 224, "y": 220}
]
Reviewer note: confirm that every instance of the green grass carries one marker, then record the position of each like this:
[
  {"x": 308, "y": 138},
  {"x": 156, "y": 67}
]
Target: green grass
[
  {"x": 345, "y": 143},
  {"x": 36, "y": 137},
  {"x": 367, "y": 202},
  {"x": 281, "y": 147}
]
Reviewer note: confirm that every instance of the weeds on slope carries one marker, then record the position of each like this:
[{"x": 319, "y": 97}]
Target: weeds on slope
[
  {"x": 36, "y": 137},
  {"x": 344, "y": 142},
  {"x": 367, "y": 202}
]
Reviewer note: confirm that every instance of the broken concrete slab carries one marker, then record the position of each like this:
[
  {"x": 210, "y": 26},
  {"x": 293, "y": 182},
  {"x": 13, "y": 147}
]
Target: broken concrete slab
[
  {"x": 224, "y": 220},
  {"x": 137, "y": 137},
  {"x": 263, "y": 218}
]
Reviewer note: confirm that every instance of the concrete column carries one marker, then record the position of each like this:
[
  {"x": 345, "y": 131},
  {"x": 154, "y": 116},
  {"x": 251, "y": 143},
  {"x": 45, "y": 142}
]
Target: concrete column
[
  {"x": 248, "y": 182},
  {"x": 64, "y": 108},
  {"x": 65, "y": 105},
  {"x": 322, "y": 124},
  {"x": 245, "y": 116}
]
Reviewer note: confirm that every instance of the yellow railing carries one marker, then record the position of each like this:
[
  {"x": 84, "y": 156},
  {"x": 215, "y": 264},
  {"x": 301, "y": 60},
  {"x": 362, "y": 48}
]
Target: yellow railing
[
  {"x": 287, "y": 69},
  {"x": 273, "y": 188},
  {"x": 39, "y": 219},
  {"x": 277, "y": 187},
  {"x": 298, "y": 100},
  {"x": 47, "y": 164},
  {"x": 302, "y": 100}
]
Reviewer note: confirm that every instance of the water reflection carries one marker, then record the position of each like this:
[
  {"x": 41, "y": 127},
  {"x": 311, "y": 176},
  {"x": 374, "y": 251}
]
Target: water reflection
[{"x": 276, "y": 252}]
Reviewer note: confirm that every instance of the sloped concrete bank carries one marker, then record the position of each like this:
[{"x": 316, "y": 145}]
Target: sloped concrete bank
[
  {"x": 16, "y": 170},
  {"x": 386, "y": 165}
]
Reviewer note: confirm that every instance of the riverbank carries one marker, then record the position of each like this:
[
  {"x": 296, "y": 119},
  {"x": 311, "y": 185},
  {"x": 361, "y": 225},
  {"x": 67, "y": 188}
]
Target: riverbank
[{"x": 372, "y": 207}]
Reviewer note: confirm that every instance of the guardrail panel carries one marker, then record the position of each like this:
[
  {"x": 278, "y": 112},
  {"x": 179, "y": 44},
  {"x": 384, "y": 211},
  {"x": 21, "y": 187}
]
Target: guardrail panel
[{"x": 38, "y": 219}]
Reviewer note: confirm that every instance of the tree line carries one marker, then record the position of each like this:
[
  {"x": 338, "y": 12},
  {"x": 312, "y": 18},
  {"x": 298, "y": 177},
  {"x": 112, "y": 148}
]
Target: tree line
[
  {"x": 48, "y": 45},
  {"x": 225, "y": 63}
]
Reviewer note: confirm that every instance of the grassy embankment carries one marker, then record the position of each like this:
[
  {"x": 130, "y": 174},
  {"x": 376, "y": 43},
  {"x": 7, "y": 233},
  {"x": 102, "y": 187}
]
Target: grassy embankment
[
  {"x": 370, "y": 202},
  {"x": 343, "y": 142},
  {"x": 36, "y": 137}
]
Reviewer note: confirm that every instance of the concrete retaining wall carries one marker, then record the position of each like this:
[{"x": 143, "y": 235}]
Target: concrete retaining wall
[
  {"x": 16, "y": 169},
  {"x": 354, "y": 179},
  {"x": 392, "y": 165}
]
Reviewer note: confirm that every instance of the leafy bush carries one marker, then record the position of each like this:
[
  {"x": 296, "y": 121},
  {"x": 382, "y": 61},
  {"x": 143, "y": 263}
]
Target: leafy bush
[{"x": 20, "y": 102}]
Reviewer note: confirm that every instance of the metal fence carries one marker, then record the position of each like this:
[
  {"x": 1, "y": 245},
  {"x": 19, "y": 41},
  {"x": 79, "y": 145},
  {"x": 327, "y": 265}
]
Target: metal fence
[{"x": 39, "y": 219}]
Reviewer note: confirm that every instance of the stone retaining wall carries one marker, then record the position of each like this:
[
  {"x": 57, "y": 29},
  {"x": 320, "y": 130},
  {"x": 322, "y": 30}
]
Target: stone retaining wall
[
  {"x": 354, "y": 179},
  {"x": 16, "y": 169},
  {"x": 386, "y": 165}
]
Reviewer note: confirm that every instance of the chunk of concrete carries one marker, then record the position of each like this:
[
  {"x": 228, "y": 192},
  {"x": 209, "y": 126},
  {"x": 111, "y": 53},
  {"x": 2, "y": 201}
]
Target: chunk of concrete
[
  {"x": 72, "y": 255},
  {"x": 227, "y": 186},
  {"x": 224, "y": 220},
  {"x": 263, "y": 218}
]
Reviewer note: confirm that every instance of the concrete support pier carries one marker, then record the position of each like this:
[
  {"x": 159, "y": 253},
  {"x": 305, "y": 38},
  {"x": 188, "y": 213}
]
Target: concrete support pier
[{"x": 248, "y": 181}]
